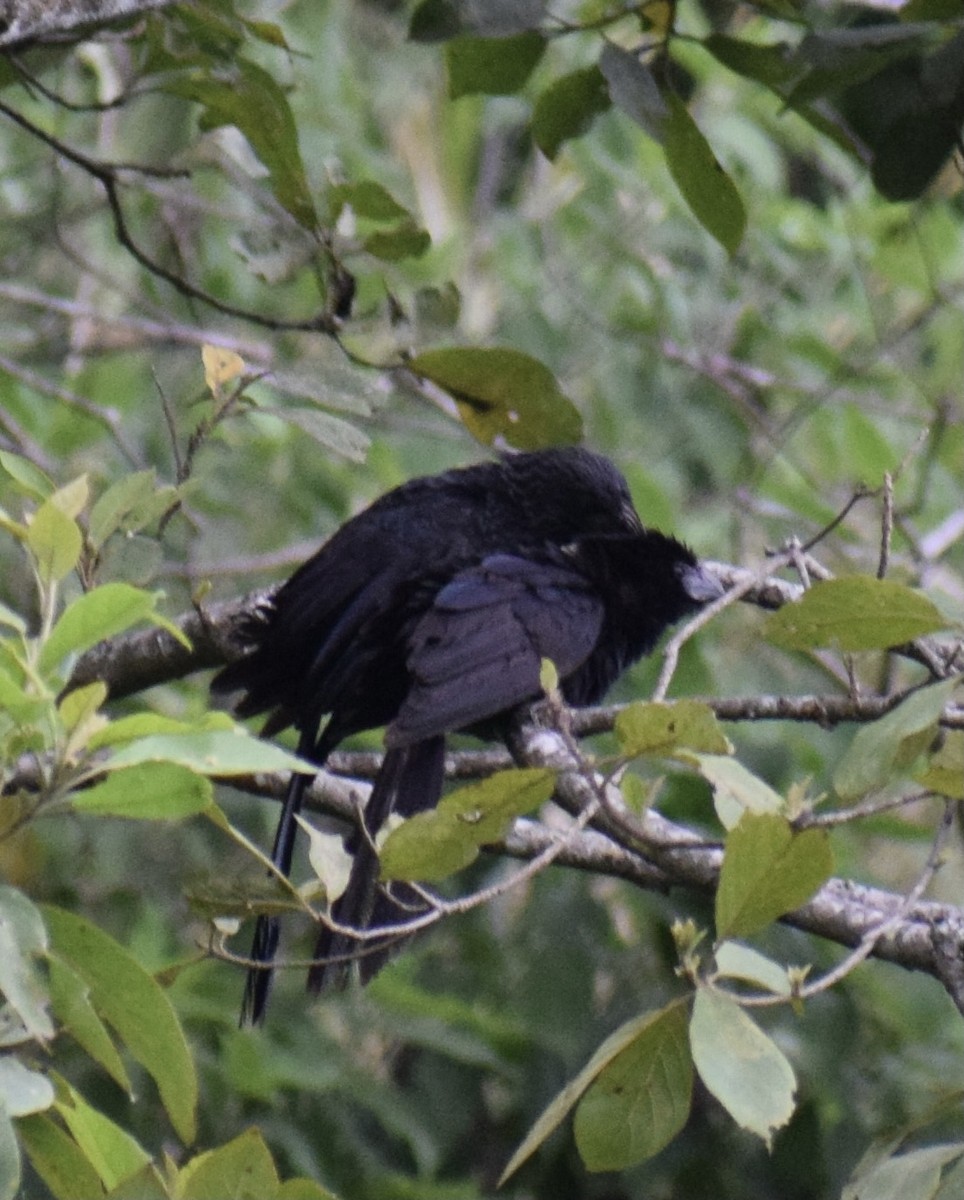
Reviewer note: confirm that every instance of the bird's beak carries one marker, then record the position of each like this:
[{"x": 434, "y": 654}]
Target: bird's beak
[{"x": 700, "y": 585}]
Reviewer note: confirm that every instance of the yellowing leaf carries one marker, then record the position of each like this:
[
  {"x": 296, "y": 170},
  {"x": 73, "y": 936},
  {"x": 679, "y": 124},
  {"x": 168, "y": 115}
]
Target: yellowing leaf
[{"x": 220, "y": 366}]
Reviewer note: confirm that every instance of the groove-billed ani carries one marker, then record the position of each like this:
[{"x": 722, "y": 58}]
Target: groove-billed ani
[{"x": 431, "y": 612}]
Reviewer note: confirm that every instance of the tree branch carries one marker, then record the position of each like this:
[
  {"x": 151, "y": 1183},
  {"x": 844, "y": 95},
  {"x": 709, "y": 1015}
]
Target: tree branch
[
  {"x": 915, "y": 934},
  {"x": 43, "y": 21},
  {"x": 919, "y": 935}
]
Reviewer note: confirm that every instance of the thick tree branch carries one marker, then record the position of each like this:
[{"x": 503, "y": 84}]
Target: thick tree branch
[
  {"x": 649, "y": 851},
  {"x": 928, "y": 937},
  {"x": 135, "y": 661},
  {"x": 40, "y": 21}
]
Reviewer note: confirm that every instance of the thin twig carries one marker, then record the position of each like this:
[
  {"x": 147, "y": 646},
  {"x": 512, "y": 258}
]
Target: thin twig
[
  {"x": 107, "y": 175},
  {"x": 887, "y": 526},
  {"x": 736, "y": 591}
]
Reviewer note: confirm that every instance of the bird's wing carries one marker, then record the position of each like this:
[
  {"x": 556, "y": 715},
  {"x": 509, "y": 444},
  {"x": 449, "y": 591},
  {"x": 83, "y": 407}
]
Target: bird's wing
[{"x": 478, "y": 649}]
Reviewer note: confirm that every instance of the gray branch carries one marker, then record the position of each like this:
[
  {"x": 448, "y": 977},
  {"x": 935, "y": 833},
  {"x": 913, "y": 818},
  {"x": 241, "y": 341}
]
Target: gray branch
[
  {"x": 650, "y": 852},
  {"x": 50, "y": 20},
  {"x": 929, "y": 938}
]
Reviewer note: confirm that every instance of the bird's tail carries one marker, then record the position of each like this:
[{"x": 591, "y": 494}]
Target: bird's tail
[
  {"x": 410, "y": 781},
  {"x": 267, "y": 929}
]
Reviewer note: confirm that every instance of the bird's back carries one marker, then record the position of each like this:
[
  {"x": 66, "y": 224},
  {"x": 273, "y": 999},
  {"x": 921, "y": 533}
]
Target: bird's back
[{"x": 334, "y": 637}]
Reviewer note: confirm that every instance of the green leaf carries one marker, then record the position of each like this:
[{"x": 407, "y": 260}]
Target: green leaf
[
  {"x": 130, "y": 1000},
  {"x": 23, "y": 940},
  {"x": 634, "y": 90},
  {"x": 568, "y": 107},
  {"x": 916, "y": 147},
  {"x": 432, "y": 845},
  {"x": 79, "y": 706},
  {"x": 155, "y": 791},
  {"x": 267, "y": 32},
  {"x": 439, "y": 20},
  {"x": 72, "y": 498},
  {"x": 740, "y": 1065},
  {"x": 55, "y": 541},
  {"x": 405, "y": 240},
  {"x": 944, "y": 771},
  {"x": 494, "y": 66},
  {"x": 58, "y": 1160},
  {"x": 559, "y": 1107},
  {"x": 503, "y": 393},
  {"x": 220, "y": 752},
  {"x": 327, "y": 430},
  {"x": 147, "y": 1184},
  {"x": 12, "y": 620},
  {"x": 31, "y": 479},
  {"x": 734, "y": 961},
  {"x": 736, "y": 790},
  {"x": 952, "y": 1184},
  {"x": 100, "y": 613},
  {"x": 660, "y": 729},
  {"x": 243, "y": 1168},
  {"x": 883, "y": 748},
  {"x": 23, "y": 1091},
  {"x": 306, "y": 1189},
  {"x": 914, "y": 1175},
  {"x": 704, "y": 184},
  {"x": 366, "y": 199},
  {"x": 435, "y": 21},
  {"x": 21, "y": 707},
  {"x": 859, "y": 613},
  {"x": 328, "y": 387},
  {"x": 146, "y": 724},
  {"x": 112, "y": 1152},
  {"x": 10, "y": 1166},
  {"x": 930, "y": 10},
  {"x": 767, "y": 63},
  {"x": 640, "y": 1100},
  {"x": 768, "y": 870},
  {"x": 329, "y": 859},
  {"x": 113, "y": 511},
  {"x": 70, "y": 999},
  {"x": 251, "y": 100}
]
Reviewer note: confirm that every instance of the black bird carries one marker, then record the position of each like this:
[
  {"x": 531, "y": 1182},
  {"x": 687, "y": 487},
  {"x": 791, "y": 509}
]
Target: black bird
[{"x": 430, "y": 612}]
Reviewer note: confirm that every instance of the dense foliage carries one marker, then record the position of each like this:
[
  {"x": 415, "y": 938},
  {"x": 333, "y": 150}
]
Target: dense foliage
[{"x": 261, "y": 262}]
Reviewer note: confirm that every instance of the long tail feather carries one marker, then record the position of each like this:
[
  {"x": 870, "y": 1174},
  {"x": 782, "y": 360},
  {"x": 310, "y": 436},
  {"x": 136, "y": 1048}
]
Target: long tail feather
[
  {"x": 267, "y": 929},
  {"x": 410, "y": 781}
]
